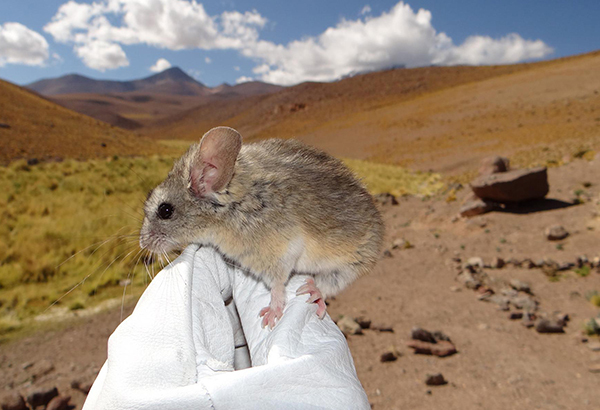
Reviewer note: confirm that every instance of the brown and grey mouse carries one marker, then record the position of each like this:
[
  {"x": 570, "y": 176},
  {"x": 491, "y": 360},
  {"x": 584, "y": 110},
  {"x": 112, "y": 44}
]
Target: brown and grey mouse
[{"x": 275, "y": 207}]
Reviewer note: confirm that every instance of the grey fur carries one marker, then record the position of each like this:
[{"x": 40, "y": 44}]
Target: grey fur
[{"x": 288, "y": 208}]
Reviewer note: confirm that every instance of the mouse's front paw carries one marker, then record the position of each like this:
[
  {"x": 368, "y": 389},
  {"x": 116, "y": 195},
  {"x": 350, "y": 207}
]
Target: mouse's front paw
[
  {"x": 311, "y": 289},
  {"x": 271, "y": 314}
]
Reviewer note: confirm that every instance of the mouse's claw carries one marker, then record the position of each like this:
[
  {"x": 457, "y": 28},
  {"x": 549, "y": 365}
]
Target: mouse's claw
[
  {"x": 311, "y": 289},
  {"x": 270, "y": 316}
]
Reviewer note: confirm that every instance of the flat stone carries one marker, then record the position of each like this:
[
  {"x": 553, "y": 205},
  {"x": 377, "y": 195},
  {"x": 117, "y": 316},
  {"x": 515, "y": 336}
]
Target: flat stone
[
  {"x": 12, "y": 401},
  {"x": 440, "y": 349},
  {"x": 348, "y": 326},
  {"x": 476, "y": 207},
  {"x": 59, "y": 403},
  {"x": 512, "y": 186},
  {"x": 520, "y": 286},
  {"x": 556, "y": 233},
  {"x": 435, "y": 380},
  {"x": 549, "y": 326},
  {"x": 41, "y": 396},
  {"x": 421, "y": 334}
]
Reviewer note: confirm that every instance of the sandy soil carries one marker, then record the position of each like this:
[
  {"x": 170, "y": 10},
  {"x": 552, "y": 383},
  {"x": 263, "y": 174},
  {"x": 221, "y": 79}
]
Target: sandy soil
[{"x": 500, "y": 363}]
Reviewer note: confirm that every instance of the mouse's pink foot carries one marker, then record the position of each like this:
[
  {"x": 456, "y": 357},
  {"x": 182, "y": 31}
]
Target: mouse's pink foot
[
  {"x": 271, "y": 315},
  {"x": 315, "y": 296}
]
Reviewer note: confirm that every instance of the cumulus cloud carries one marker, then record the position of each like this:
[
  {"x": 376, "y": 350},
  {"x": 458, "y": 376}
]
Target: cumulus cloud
[
  {"x": 20, "y": 45},
  {"x": 399, "y": 37},
  {"x": 102, "y": 55},
  {"x": 160, "y": 65},
  {"x": 171, "y": 24},
  {"x": 243, "y": 79}
]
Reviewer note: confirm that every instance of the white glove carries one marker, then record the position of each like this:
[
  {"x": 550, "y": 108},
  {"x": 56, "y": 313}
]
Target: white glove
[{"x": 178, "y": 350}]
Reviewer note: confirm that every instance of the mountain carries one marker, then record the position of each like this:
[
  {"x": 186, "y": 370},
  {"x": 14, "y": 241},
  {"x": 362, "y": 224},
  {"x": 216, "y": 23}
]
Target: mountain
[
  {"x": 34, "y": 127},
  {"x": 172, "y": 81},
  {"x": 140, "y": 103},
  {"x": 441, "y": 118}
]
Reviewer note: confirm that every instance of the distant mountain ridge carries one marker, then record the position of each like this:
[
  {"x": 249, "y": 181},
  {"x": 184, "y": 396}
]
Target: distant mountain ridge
[{"x": 173, "y": 81}]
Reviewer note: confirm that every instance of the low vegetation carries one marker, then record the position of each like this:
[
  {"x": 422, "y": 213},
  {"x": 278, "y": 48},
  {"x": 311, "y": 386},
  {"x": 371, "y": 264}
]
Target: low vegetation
[{"x": 70, "y": 229}]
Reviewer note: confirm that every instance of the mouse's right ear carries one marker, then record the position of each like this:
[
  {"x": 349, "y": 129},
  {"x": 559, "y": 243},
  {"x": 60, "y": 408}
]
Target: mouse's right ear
[{"x": 213, "y": 165}]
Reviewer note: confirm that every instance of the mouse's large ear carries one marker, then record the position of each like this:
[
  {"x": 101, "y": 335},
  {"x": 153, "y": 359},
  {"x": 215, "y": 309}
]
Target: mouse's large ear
[{"x": 212, "y": 168}]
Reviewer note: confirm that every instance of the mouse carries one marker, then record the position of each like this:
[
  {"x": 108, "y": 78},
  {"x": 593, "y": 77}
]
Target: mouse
[{"x": 275, "y": 208}]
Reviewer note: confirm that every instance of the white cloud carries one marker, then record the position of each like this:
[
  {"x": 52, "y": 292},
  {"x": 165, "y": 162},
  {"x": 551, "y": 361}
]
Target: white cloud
[
  {"x": 243, "y": 79},
  {"x": 160, "y": 65},
  {"x": 20, "y": 45},
  {"x": 101, "y": 55},
  {"x": 399, "y": 37},
  {"x": 171, "y": 24},
  {"x": 207, "y": 60}
]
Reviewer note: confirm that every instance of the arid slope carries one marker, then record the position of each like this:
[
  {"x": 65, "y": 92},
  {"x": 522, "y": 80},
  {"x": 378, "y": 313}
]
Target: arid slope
[
  {"x": 34, "y": 127},
  {"x": 441, "y": 118}
]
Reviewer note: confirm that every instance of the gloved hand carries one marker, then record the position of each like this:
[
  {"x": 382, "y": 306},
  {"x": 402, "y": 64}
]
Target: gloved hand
[{"x": 183, "y": 348}]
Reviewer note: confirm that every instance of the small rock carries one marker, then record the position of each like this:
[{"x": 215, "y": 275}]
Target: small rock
[
  {"x": 387, "y": 253},
  {"x": 386, "y": 199},
  {"x": 474, "y": 264},
  {"x": 59, "y": 403},
  {"x": 483, "y": 326},
  {"x": 41, "y": 368},
  {"x": 556, "y": 233},
  {"x": 596, "y": 262},
  {"x": 435, "y": 380},
  {"x": 594, "y": 346},
  {"x": 41, "y": 397},
  {"x": 383, "y": 328},
  {"x": 5, "y": 126},
  {"x": 440, "y": 349},
  {"x": 515, "y": 315},
  {"x": 364, "y": 322},
  {"x": 401, "y": 244},
  {"x": 565, "y": 266},
  {"x": 528, "y": 320},
  {"x": 512, "y": 186},
  {"x": 549, "y": 326},
  {"x": 494, "y": 165},
  {"x": 514, "y": 262},
  {"x": 82, "y": 386},
  {"x": 390, "y": 356},
  {"x": 594, "y": 368},
  {"x": 582, "y": 260},
  {"x": 476, "y": 207},
  {"x": 525, "y": 302},
  {"x": 439, "y": 336},
  {"x": 497, "y": 263},
  {"x": 520, "y": 286},
  {"x": 12, "y": 401},
  {"x": 421, "y": 334},
  {"x": 509, "y": 292},
  {"x": 33, "y": 161},
  {"x": 348, "y": 326},
  {"x": 467, "y": 279},
  {"x": 529, "y": 264},
  {"x": 455, "y": 289}
]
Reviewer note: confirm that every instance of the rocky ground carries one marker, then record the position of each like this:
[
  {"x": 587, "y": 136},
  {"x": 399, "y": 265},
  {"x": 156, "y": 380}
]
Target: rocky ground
[{"x": 443, "y": 275}]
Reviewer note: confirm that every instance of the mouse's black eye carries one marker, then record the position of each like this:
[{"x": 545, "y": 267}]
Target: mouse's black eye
[{"x": 165, "y": 211}]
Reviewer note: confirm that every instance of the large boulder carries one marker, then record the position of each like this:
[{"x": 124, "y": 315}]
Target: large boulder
[{"x": 512, "y": 186}]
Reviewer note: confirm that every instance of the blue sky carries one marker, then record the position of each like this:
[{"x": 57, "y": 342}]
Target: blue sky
[{"x": 279, "y": 41}]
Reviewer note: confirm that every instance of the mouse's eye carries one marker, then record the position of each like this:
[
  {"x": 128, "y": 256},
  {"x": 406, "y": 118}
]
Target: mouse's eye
[{"x": 165, "y": 211}]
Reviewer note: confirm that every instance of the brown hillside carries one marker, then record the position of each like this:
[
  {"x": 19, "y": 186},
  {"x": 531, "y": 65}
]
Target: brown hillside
[
  {"x": 33, "y": 127},
  {"x": 443, "y": 118}
]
